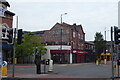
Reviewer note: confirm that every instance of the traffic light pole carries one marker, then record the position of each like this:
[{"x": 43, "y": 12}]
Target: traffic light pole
[
  {"x": 112, "y": 53},
  {"x": 118, "y": 58},
  {"x": 14, "y": 52},
  {"x": 14, "y": 45}
]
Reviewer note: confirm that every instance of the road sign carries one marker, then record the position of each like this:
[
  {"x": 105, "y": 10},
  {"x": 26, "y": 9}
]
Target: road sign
[
  {"x": 4, "y": 63},
  {"x": 4, "y": 68}
]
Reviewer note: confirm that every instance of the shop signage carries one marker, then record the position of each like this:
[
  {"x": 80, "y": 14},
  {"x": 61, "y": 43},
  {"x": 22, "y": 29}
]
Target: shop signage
[
  {"x": 80, "y": 52},
  {"x": 74, "y": 51}
]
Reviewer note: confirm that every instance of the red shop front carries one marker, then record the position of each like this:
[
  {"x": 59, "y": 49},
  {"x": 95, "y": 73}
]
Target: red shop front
[{"x": 80, "y": 56}]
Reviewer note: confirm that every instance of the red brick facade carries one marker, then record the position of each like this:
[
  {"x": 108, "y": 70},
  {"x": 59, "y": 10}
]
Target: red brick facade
[
  {"x": 6, "y": 22},
  {"x": 8, "y": 19},
  {"x": 69, "y": 34}
]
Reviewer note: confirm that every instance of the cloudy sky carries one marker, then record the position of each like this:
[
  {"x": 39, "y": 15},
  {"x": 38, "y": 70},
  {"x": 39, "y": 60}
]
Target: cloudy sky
[{"x": 93, "y": 15}]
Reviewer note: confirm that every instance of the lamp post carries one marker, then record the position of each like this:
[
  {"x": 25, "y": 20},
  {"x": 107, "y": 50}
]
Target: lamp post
[
  {"x": 61, "y": 34},
  {"x": 61, "y": 17},
  {"x": 105, "y": 49}
]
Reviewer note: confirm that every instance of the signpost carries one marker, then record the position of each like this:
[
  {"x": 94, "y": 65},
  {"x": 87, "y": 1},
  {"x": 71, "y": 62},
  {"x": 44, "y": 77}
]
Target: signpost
[
  {"x": 112, "y": 55},
  {"x": 4, "y": 68}
]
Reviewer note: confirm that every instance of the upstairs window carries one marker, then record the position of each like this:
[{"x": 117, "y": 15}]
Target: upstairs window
[
  {"x": 1, "y": 11},
  {"x": 73, "y": 34},
  {"x": 78, "y": 36}
]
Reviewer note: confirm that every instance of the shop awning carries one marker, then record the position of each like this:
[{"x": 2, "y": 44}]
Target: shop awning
[
  {"x": 79, "y": 52},
  {"x": 102, "y": 54},
  {"x": 6, "y": 46}
]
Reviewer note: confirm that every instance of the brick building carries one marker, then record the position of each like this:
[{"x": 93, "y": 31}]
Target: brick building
[
  {"x": 65, "y": 43},
  {"x": 6, "y": 23},
  {"x": 65, "y": 34},
  {"x": 89, "y": 45}
]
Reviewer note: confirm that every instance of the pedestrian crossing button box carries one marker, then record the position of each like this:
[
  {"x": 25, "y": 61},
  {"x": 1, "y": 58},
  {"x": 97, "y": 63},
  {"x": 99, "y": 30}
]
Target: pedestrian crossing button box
[{"x": 47, "y": 62}]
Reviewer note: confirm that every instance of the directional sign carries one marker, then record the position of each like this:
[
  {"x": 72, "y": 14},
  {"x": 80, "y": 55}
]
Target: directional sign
[{"x": 4, "y": 63}]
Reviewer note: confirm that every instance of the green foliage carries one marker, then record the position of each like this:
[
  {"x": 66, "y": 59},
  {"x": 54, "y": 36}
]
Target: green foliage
[
  {"x": 99, "y": 43},
  {"x": 30, "y": 42}
]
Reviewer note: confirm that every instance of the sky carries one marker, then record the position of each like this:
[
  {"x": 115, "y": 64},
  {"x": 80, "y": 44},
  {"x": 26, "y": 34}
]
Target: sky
[{"x": 93, "y": 15}]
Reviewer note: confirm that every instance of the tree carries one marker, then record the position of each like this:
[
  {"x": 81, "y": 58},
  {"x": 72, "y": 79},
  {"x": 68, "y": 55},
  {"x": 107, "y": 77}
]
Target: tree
[
  {"x": 99, "y": 43},
  {"x": 30, "y": 42}
]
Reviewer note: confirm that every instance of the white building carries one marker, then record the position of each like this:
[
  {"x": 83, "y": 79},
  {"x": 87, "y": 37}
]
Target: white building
[{"x": 54, "y": 50}]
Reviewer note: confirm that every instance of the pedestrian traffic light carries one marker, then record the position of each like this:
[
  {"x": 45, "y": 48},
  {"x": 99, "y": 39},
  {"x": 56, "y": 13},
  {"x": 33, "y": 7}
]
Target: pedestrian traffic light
[
  {"x": 116, "y": 35},
  {"x": 19, "y": 37},
  {"x": 10, "y": 35}
]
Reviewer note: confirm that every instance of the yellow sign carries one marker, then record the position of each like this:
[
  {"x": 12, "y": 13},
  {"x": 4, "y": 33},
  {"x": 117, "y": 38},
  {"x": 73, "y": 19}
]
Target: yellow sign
[
  {"x": 4, "y": 68},
  {"x": 4, "y": 71}
]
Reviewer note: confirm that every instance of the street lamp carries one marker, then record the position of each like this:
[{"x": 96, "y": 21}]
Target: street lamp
[
  {"x": 61, "y": 34},
  {"x": 61, "y": 17}
]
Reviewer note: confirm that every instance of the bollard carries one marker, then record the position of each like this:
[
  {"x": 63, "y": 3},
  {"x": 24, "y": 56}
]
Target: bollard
[
  {"x": 105, "y": 61},
  {"x": 4, "y": 69},
  {"x": 116, "y": 66},
  {"x": 15, "y": 60},
  {"x": 50, "y": 68},
  {"x": 97, "y": 62}
]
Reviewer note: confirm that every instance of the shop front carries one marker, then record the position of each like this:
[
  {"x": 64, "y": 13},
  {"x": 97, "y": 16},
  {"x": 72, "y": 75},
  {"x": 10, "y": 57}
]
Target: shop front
[
  {"x": 80, "y": 56},
  {"x": 60, "y": 56},
  {"x": 106, "y": 56},
  {"x": 5, "y": 49}
]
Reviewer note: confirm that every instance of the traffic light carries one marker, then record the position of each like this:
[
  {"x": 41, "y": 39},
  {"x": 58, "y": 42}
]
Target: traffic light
[
  {"x": 10, "y": 35},
  {"x": 4, "y": 33},
  {"x": 19, "y": 37},
  {"x": 116, "y": 35}
]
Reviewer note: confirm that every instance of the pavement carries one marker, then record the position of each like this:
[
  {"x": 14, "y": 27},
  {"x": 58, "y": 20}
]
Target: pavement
[{"x": 83, "y": 71}]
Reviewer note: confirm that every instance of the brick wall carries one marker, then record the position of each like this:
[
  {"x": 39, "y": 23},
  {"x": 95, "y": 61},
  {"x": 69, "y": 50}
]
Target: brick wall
[
  {"x": 8, "y": 19},
  {"x": 71, "y": 35}
]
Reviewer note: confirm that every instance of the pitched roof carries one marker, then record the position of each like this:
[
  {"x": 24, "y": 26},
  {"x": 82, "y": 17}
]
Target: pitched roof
[
  {"x": 10, "y": 13},
  {"x": 74, "y": 26}
]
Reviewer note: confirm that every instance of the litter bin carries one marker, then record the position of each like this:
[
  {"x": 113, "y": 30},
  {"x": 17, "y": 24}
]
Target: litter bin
[
  {"x": 97, "y": 62},
  {"x": 50, "y": 68}
]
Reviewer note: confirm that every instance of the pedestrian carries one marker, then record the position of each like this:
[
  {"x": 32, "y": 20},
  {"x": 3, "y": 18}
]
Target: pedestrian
[
  {"x": 60, "y": 60},
  {"x": 99, "y": 61}
]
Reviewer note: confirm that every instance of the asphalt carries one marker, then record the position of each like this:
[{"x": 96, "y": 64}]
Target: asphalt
[{"x": 61, "y": 71}]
